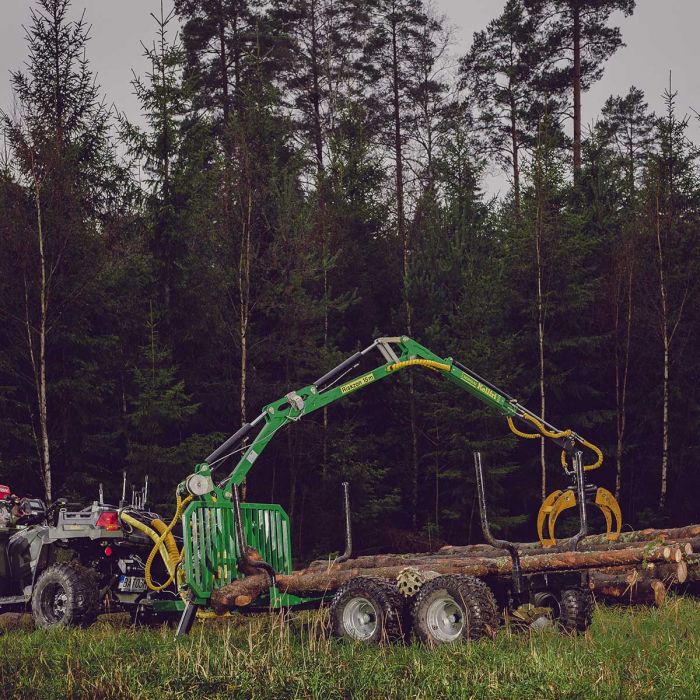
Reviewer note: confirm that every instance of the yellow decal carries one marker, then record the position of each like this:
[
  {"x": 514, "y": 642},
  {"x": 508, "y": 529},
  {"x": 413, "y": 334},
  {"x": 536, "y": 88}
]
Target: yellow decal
[
  {"x": 480, "y": 387},
  {"x": 357, "y": 383}
]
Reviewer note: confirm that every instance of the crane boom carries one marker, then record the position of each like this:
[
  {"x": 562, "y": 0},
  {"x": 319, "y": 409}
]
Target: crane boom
[{"x": 398, "y": 353}]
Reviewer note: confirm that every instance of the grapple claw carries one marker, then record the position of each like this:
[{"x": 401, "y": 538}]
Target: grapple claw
[
  {"x": 566, "y": 500},
  {"x": 543, "y": 514},
  {"x": 610, "y": 507},
  {"x": 559, "y": 501}
]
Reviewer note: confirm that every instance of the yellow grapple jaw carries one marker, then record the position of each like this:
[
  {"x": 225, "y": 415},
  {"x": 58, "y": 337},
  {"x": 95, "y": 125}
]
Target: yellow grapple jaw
[{"x": 559, "y": 501}]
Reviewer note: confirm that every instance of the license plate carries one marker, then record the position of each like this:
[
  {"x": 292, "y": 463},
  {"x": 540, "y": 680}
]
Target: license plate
[{"x": 132, "y": 584}]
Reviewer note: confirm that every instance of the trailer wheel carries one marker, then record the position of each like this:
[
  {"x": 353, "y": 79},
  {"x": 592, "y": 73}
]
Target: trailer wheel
[
  {"x": 453, "y": 609},
  {"x": 66, "y": 595},
  {"x": 368, "y": 609},
  {"x": 575, "y": 610}
]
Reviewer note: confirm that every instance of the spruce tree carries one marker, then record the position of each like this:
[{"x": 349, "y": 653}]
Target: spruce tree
[
  {"x": 59, "y": 145},
  {"x": 159, "y": 414}
]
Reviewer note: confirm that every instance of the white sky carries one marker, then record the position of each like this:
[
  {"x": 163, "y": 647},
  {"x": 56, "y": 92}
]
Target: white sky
[{"x": 661, "y": 36}]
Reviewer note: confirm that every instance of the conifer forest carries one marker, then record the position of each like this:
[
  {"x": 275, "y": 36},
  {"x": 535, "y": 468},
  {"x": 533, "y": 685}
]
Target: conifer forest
[{"x": 309, "y": 175}]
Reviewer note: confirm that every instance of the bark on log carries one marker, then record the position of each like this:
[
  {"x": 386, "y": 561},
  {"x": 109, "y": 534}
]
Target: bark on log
[
  {"x": 629, "y": 586},
  {"x": 694, "y": 568},
  {"x": 690, "y": 532},
  {"x": 424, "y": 559},
  {"x": 669, "y": 572},
  {"x": 307, "y": 581}
]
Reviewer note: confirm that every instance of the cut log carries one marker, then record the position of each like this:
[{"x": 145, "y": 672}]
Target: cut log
[
  {"x": 689, "y": 533},
  {"x": 672, "y": 551},
  {"x": 669, "y": 572},
  {"x": 694, "y": 568},
  {"x": 308, "y": 581},
  {"x": 629, "y": 586}
]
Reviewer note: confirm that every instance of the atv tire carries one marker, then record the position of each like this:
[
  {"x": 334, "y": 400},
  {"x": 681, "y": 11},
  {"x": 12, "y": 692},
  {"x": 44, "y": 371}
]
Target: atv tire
[
  {"x": 65, "y": 595},
  {"x": 452, "y": 609},
  {"x": 575, "y": 610},
  {"x": 369, "y": 610}
]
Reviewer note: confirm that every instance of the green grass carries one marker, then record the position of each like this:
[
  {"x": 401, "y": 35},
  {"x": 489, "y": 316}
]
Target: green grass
[{"x": 628, "y": 653}]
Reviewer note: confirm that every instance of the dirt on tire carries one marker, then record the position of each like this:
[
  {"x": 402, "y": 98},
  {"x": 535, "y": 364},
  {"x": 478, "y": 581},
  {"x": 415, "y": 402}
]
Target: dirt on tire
[
  {"x": 473, "y": 597},
  {"x": 576, "y": 610},
  {"x": 65, "y": 595},
  {"x": 386, "y": 600}
]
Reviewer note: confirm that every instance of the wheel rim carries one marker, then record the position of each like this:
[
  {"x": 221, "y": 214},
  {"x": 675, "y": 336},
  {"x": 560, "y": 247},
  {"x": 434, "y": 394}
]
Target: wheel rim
[
  {"x": 54, "y": 601},
  {"x": 360, "y": 618},
  {"x": 445, "y": 619},
  {"x": 545, "y": 599}
]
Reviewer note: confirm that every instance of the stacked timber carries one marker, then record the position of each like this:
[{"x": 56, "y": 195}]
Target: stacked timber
[{"x": 639, "y": 568}]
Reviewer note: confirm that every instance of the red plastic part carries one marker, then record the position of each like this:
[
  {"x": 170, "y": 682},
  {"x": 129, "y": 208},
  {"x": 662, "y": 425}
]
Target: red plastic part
[
  {"x": 108, "y": 520},
  {"x": 5, "y": 491}
]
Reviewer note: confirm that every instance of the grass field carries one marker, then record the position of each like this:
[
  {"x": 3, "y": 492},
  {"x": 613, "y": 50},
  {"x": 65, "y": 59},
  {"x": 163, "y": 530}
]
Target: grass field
[{"x": 628, "y": 653}]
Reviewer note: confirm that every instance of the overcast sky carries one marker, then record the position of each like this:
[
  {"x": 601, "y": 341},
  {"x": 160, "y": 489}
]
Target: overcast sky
[{"x": 661, "y": 36}]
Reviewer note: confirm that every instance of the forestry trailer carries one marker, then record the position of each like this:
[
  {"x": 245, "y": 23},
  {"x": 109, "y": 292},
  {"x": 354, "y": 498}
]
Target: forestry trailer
[{"x": 237, "y": 555}]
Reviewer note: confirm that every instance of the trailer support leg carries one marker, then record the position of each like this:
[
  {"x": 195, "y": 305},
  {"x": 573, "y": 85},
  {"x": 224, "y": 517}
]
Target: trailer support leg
[{"x": 187, "y": 619}]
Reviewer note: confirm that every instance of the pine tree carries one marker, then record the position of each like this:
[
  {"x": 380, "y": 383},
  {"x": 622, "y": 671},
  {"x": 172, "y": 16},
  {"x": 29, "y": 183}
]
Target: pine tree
[
  {"x": 627, "y": 124},
  {"x": 578, "y": 41},
  {"x": 501, "y": 74}
]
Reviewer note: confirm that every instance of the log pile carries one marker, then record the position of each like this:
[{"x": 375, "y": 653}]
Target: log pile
[{"x": 638, "y": 569}]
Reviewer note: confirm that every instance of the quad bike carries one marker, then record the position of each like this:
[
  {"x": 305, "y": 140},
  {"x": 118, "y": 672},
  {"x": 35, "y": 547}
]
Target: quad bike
[{"x": 68, "y": 566}]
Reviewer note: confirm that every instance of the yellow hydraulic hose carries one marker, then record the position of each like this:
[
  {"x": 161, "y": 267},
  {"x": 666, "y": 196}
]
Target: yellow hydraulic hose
[
  {"x": 161, "y": 547},
  {"x": 170, "y": 544},
  {"x": 420, "y": 363},
  {"x": 540, "y": 426},
  {"x": 181, "y": 503},
  {"x": 545, "y": 432},
  {"x": 590, "y": 446},
  {"x": 520, "y": 433}
]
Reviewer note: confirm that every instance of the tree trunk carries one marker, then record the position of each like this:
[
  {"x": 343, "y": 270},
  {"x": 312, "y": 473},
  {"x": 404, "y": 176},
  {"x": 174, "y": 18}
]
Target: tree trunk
[
  {"x": 539, "y": 226},
  {"x": 666, "y": 343},
  {"x": 622, "y": 373},
  {"x": 244, "y": 265},
  {"x": 515, "y": 149},
  {"x": 577, "y": 91},
  {"x": 406, "y": 248},
  {"x": 38, "y": 360},
  {"x": 316, "y": 90}
]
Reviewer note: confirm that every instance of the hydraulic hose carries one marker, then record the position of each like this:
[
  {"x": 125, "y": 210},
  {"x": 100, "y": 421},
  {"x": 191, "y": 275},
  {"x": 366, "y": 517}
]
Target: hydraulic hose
[
  {"x": 181, "y": 503},
  {"x": 543, "y": 431},
  {"x": 441, "y": 366},
  {"x": 170, "y": 544},
  {"x": 596, "y": 450},
  {"x": 149, "y": 532},
  {"x": 555, "y": 435}
]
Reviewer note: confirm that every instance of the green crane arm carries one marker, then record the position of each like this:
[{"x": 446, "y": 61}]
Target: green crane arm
[{"x": 398, "y": 353}]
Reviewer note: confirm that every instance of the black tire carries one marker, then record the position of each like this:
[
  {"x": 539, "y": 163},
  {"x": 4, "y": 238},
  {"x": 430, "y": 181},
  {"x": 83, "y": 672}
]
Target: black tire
[
  {"x": 369, "y": 610},
  {"x": 575, "y": 610},
  {"x": 65, "y": 595},
  {"x": 454, "y": 608}
]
